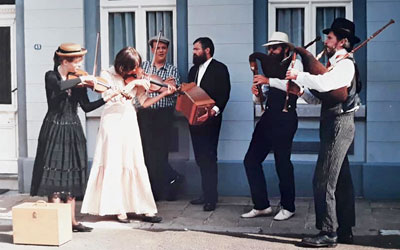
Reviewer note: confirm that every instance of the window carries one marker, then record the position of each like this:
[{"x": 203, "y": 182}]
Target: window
[
  {"x": 305, "y": 20},
  {"x": 121, "y": 32},
  {"x": 131, "y": 23},
  {"x": 8, "y": 83},
  {"x": 160, "y": 21},
  {"x": 5, "y": 66},
  {"x": 291, "y": 21}
]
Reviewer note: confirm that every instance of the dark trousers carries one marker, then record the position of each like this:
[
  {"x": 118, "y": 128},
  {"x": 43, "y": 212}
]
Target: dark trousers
[
  {"x": 155, "y": 130},
  {"x": 205, "y": 143},
  {"x": 274, "y": 131},
  {"x": 332, "y": 184}
]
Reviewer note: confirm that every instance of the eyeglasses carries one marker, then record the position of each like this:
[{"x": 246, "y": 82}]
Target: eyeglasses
[{"x": 274, "y": 46}]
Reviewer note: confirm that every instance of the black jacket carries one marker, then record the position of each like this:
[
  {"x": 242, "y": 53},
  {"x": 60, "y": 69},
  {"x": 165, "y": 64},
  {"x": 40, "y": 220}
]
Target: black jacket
[{"x": 215, "y": 82}]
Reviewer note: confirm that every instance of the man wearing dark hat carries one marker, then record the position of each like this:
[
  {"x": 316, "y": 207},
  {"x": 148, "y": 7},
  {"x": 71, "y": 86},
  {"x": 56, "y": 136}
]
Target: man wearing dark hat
[
  {"x": 274, "y": 131},
  {"x": 332, "y": 183},
  {"x": 155, "y": 125}
]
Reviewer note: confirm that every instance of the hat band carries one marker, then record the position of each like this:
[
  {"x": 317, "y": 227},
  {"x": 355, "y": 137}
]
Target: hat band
[
  {"x": 66, "y": 52},
  {"x": 346, "y": 30},
  {"x": 272, "y": 41}
]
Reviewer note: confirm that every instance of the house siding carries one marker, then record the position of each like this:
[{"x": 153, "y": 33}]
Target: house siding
[{"x": 230, "y": 25}]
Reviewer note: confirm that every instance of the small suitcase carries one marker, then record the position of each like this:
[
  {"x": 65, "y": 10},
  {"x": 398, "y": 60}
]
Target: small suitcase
[{"x": 41, "y": 223}]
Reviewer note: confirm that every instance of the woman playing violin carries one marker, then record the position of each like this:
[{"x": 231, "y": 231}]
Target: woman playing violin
[
  {"x": 61, "y": 160},
  {"x": 118, "y": 182}
]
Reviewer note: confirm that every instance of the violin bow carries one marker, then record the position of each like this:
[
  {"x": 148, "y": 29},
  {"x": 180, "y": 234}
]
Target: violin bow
[
  {"x": 155, "y": 52},
  {"x": 99, "y": 80},
  {"x": 95, "y": 53}
]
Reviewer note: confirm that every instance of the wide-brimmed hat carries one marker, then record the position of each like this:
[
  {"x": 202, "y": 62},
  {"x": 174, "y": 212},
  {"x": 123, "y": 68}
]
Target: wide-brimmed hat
[
  {"x": 71, "y": 49},
  {"x": 279, "y": 38},
  {"x": 163, "y": 39},
  {"x": 344, "y": 27}
]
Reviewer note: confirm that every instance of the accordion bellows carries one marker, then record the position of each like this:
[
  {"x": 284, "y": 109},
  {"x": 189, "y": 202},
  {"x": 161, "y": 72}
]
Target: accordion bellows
[{"x": 194, "y": 103}]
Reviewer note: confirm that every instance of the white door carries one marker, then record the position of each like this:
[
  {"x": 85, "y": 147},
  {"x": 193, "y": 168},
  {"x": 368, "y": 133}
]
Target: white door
[{"x": 8, "y": 92}]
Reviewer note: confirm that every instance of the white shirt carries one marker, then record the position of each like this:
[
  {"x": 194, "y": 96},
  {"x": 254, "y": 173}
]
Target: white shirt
[
  {"x": 202, "y": 69},
  {"x": 340, "y": 76},
  {"x": 278, "y": 83}
]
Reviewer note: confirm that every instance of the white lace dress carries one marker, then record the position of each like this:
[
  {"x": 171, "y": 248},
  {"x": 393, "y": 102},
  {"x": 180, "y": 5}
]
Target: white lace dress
[{"x": 118, "y": 181}]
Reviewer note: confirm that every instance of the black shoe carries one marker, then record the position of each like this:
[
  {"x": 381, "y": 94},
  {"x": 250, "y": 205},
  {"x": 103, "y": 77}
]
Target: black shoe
[
  {"x": 320, "y": 240},
  {"x": 198, "y": 201},
  {"x": 152, "y": 219},
  {"x": 124, "y": 220},
  {"x": 81, "y": 228},
  {"x": 173, "y": 187},
  {"x": 345, "y": 236},
  {"x": 209, "y": 207}
]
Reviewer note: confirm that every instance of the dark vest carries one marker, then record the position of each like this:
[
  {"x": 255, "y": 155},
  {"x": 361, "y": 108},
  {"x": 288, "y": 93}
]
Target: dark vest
[
  {"x": 352, "y": 101},
  {"x": 276, "y": 100}
]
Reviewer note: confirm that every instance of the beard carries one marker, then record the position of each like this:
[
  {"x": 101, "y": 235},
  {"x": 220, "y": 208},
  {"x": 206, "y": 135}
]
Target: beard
[
  {"x": 198, "y": 60},
  {"x": 278, "y": 58},
  {"x": 329, "y": 52}
]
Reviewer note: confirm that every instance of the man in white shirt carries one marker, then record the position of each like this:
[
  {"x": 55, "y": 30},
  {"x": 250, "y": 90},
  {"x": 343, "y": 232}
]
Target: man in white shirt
[
  {"x": 332, "y": 183},
  {"x": 274, "y": 131}
]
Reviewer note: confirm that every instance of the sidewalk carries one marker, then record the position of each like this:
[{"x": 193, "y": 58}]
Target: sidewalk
[{"x": 180, "y": 216}]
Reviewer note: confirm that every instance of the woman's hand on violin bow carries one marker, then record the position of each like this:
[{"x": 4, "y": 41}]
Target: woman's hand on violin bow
[
  {"x": 88, "y": 80},
  {"x": 110, "y": 94}
]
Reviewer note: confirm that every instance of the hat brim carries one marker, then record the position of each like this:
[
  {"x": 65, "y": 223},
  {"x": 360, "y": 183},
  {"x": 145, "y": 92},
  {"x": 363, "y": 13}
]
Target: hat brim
[
  {"x": 291, "y": 46},
  {"x": 161, "y": 40},
  {"x": 353, "y": 39},
  {"x": 78, "y": 53}
]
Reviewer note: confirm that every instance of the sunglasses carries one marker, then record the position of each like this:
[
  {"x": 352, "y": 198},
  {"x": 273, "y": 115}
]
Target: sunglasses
[{"x": 274, "y": 46}]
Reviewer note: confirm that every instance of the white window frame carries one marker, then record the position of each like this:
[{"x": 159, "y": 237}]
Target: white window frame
[
  {"x": 140, "y": 7},
  {"x": 7, "y": 19},
  {"x": 310, "y": 14}
]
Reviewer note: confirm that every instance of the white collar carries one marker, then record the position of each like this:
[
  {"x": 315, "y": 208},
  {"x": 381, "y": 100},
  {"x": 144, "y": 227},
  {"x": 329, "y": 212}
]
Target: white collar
[
  {"x": 206, "y": 63},
  {"x": 339, "y": 54}
]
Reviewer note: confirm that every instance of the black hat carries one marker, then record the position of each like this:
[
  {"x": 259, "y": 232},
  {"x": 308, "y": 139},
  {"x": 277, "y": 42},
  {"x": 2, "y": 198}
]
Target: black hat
[{"x": 344, "y": 27}]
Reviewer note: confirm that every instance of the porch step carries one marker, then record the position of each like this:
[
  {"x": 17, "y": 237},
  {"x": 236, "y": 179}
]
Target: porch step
[{"x": 9, "y": 181}]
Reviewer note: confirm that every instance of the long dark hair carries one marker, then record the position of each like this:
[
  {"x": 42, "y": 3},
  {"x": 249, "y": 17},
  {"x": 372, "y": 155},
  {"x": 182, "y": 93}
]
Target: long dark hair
[{"x": 127, "y": 60}]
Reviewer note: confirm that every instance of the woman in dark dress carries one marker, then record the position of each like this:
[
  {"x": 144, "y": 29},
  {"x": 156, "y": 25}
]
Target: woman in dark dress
[{"x": 60, "y": 169}]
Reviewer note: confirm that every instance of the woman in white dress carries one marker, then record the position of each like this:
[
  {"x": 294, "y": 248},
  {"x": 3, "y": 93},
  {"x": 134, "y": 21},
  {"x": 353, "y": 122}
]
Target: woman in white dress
[{"x": 118, "y": 183}]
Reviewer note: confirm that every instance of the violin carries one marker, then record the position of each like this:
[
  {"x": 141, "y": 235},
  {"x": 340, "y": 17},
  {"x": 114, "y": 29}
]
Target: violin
[
  {"x": 156, "y": 82},
  {"x": 100, "y": 87}
]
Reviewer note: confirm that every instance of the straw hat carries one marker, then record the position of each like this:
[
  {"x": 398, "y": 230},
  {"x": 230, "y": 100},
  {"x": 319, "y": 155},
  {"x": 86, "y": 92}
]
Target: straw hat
[
  {"x": 279, "y": 38},
  {"x": 71, "y": 49}
]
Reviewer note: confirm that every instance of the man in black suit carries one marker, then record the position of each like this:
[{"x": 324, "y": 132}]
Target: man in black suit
[{"x": 213, "y": 77}]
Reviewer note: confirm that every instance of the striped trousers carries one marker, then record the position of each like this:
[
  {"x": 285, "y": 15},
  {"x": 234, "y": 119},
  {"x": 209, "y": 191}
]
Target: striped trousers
[{"x": 332, "y": 183}]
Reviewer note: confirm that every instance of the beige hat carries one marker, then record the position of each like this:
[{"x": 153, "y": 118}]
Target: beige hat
[
  {"x": 279, "y": 38},
  {"x": 163, "y": 39},
  {"x": 71, "y": 49}
]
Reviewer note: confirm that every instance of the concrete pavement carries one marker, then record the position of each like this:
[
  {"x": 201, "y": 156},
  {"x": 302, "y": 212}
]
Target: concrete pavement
[{"x": 186, "y": 226}]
